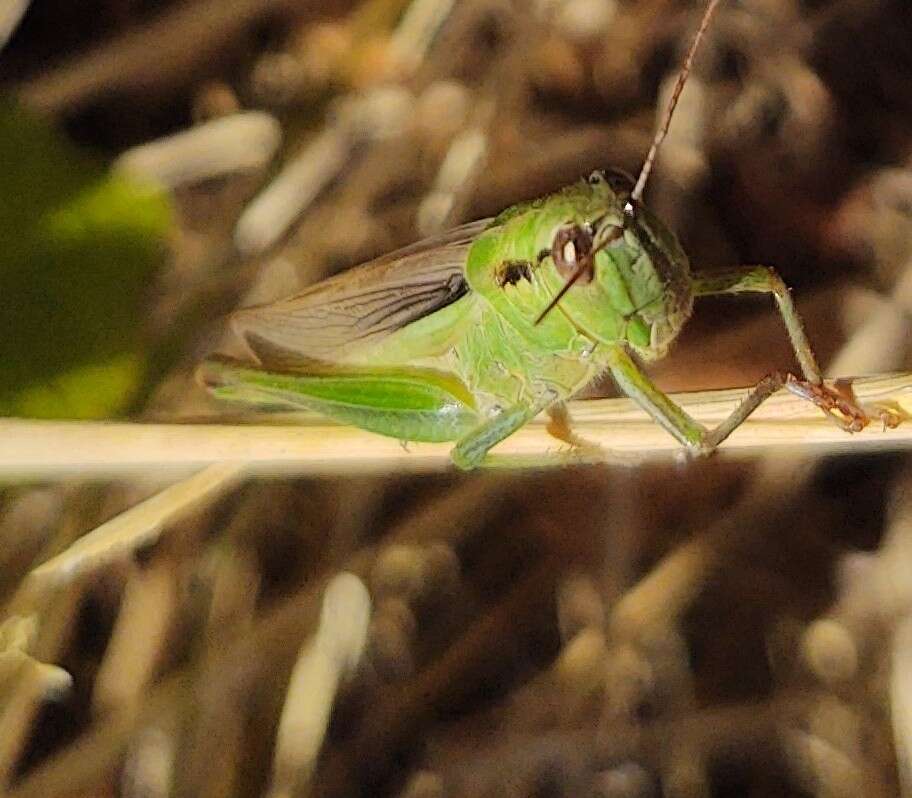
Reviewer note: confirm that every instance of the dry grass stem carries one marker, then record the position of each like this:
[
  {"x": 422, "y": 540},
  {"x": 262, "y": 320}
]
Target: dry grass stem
[
  {"x": 236, "y": 143},
  {"x": 237, "y": 663},
  {"x": 160, "y": 54},
  {"x": 53, "y": 449},
  {"x": 139, "y": 525},
  {"x": 323, "y": 662}
]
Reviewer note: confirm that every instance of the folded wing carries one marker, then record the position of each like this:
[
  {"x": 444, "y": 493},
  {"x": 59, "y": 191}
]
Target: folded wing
[{"x": 362, "y": 305}]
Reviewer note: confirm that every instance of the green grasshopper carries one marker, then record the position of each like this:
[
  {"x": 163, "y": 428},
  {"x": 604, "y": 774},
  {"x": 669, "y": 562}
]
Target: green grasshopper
[{"x": 467, "y": 336}]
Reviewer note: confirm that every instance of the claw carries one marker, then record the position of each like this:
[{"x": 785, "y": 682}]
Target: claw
[
  {"x": 839, "y": 405},
  {"x": 890, "y": 415}
]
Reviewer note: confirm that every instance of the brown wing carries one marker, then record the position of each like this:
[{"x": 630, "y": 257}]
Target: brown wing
[{"x": 361, "y": 305}]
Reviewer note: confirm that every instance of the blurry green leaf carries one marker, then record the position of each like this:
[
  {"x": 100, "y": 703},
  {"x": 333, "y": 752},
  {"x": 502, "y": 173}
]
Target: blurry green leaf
[
  {"x": 92, "y": 390},
  {"x": 79, "y": 247}
]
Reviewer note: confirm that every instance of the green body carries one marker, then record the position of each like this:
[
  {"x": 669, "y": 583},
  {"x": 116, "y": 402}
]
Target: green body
[{"x": 443, "y": 341}]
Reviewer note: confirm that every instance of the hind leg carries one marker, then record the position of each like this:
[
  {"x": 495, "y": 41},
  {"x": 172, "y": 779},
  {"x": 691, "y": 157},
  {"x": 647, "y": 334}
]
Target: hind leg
[{"x": 408, "y": 404}]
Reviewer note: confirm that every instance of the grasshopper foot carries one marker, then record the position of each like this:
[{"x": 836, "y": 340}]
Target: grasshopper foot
[
  {"x": 838, "y": 403},
  {"x": 559, "y": 427},
  {"x": 890, "y": 415}
]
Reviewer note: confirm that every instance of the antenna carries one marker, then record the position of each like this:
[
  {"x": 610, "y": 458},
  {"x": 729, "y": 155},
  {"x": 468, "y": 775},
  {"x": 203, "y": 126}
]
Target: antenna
[{"x": 640, "y": 186}]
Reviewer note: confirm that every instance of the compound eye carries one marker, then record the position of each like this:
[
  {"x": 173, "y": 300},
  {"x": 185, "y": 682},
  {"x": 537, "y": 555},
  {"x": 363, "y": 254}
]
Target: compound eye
[
  {"x": 621, "y": 181},
  {"x": 572, "y": 246}
]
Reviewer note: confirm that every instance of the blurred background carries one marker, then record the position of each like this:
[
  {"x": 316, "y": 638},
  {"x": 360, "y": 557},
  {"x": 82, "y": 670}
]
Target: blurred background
[{"x": 719, "y": 628}]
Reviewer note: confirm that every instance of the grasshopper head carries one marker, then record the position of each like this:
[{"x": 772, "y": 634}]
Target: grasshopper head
[
  {"x": 627, "y": 252},
  {"x": 625, "y": 274}
]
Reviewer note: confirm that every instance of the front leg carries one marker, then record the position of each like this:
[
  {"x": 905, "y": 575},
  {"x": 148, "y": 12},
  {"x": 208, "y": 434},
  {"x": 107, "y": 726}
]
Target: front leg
[
  {"x": 700, "y": 440},
  {"x": 838, "y": 405},
  {"x": 633, "y": 382},
  {"x": 763, "y": 280}
]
